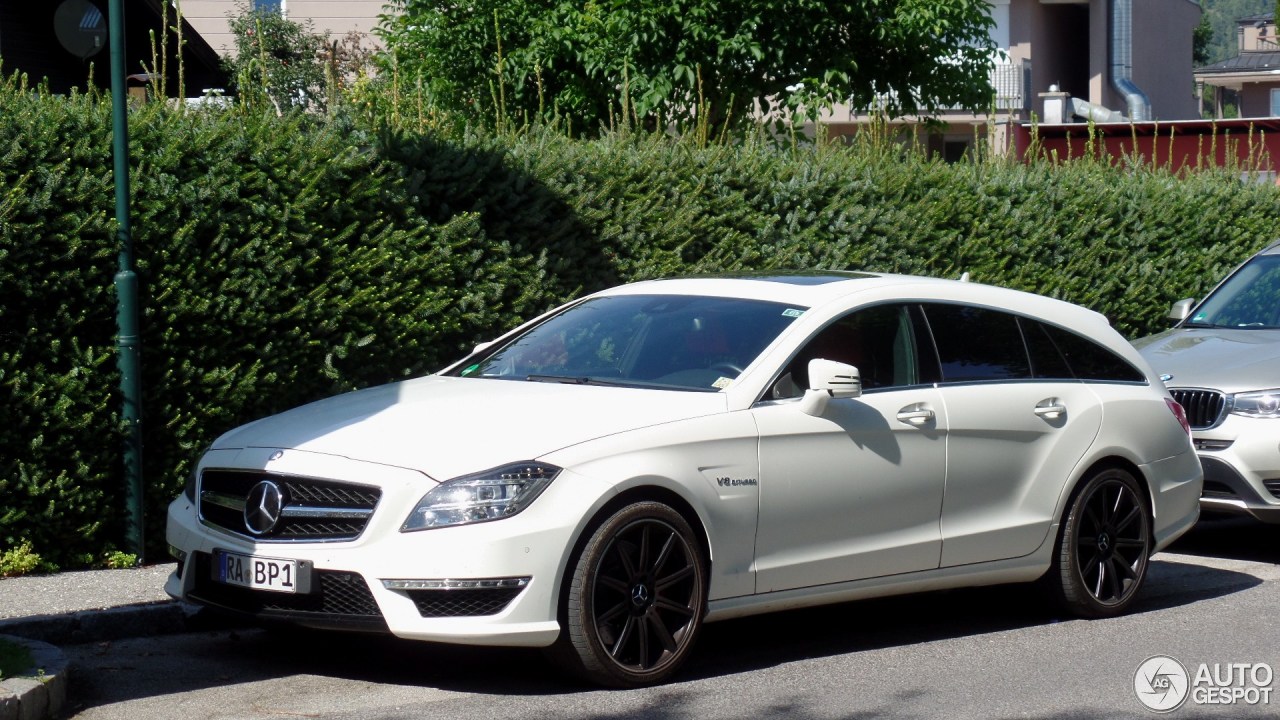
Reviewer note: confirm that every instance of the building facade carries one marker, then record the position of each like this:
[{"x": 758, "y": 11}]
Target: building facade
[
  {"x": 1100, "y": 54},
  {"x": 337, "y": 17},
  {"x": 1253, "y": 74}
]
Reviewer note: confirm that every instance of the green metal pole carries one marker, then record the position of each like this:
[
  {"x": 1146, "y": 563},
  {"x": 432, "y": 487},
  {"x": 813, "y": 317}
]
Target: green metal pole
[{"x": 128, "y": 340}]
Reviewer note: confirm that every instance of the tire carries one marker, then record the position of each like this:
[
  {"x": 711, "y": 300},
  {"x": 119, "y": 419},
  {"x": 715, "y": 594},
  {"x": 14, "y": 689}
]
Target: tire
[
  {"x": 1103, "y": 546},
  {"x": 635, "y": 603}
]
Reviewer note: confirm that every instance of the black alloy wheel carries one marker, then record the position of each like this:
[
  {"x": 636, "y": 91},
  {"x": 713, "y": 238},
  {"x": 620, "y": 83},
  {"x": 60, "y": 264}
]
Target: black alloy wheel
[
  {"x": 1103, "y": 546},
  {"x": 637, "y": 597}
]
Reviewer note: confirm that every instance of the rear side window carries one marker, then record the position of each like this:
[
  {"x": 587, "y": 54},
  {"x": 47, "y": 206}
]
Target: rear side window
[
  {"x": 1047, "y": 361},
  {"x": 976, "y": 344}
]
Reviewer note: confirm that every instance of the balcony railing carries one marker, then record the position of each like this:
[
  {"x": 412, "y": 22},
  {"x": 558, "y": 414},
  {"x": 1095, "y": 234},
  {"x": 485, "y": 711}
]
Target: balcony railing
[{"x": 1012, "y": 83}]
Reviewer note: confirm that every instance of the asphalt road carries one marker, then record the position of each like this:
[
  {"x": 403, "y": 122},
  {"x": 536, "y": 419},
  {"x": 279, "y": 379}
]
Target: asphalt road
[{"x": 985, "y": 653}]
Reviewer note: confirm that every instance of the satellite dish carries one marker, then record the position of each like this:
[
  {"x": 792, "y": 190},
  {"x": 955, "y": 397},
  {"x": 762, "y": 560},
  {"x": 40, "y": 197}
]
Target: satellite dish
[{"x": 81, "y": 28}]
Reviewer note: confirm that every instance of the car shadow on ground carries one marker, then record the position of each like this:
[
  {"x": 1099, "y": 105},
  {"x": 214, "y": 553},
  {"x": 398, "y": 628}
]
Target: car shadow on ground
[
  {"x": 1231, "y": 537},
  {"x": 210, "y": 660}
]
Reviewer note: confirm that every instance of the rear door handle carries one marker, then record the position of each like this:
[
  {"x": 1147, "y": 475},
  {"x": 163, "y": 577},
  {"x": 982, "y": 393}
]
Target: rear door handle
[
  {"x": 918, "y": 415},
  {"x": 1051, "y": 408}
]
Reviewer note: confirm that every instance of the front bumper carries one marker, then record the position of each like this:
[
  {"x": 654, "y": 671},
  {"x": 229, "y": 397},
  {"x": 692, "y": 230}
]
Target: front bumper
[
  {"x": 443, "y": 599},
  {"x": 1241, "y": 460}
]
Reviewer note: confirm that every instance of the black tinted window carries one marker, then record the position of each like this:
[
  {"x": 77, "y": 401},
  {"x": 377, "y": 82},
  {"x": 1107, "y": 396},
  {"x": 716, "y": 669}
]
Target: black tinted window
[
  {"x": 1091, "y": 361},
  {"x": 1047, "y": 362},
  {"x": 879, "y": 341},
  {"x": 977, "y": 344}
]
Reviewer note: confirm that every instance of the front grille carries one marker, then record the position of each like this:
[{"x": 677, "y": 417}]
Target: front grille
[
  {"x": 337, "y": 598},
  {"x": 1204, "y": 407},
  {"x": 1273, "y": 486},
  {"x": 311, "y": 510},
  {"x": 462, "y": 602}
]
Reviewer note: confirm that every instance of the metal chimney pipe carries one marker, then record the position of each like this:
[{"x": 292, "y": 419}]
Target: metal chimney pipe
[{"x": 1122, "y": 61}]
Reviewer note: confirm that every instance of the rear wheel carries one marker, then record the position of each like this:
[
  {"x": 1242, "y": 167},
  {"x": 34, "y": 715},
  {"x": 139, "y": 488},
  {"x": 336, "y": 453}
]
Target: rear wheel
[
  {"x": 636, "y": 598},
  {"x": 1103, "y": 546}
]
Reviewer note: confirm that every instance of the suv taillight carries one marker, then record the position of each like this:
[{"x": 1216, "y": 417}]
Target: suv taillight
[{"x": 1179, "y": 413}]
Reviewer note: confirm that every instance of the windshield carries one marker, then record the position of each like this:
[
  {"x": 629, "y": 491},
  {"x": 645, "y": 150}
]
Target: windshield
[
  {"x": 665, "y": 341},
  {"x": 1250, "y": 298}
]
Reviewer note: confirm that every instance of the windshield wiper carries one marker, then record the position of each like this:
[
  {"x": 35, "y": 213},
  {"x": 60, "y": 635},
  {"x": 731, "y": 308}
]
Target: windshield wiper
[
  {"x": 1198, "y": 325},
  {"x": 568, "y": 380}
]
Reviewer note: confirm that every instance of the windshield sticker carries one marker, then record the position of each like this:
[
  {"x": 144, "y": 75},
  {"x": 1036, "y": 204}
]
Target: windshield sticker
[
  {"x": 792, "y": 313},
  {"x": 470, "y": 370},
  {"x": 722, "y": 383}
]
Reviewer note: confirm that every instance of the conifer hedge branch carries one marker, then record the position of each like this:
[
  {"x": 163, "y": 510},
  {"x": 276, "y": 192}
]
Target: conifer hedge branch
[{"x": 285, "y": 259}]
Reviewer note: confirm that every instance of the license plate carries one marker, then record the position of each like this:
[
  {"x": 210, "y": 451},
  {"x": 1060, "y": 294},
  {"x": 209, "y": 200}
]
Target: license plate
[{"x": 259, "y": 573}]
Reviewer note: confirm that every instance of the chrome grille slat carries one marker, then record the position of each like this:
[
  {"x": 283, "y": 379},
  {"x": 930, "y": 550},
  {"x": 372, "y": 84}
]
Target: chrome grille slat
[
  {"x": 1205, "y": 408},
  {"x": 312, "y": 510}
]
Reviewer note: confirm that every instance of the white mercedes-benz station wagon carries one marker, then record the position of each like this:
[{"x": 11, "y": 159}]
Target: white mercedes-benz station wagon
[{"x": 607, "y": 477}]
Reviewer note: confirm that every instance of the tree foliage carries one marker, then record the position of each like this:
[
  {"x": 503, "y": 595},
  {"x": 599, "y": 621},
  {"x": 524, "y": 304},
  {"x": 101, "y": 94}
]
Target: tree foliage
[
  {"x": 679, "y": 60},
  {"x": 1222, "y": 16},
  {"x": 277, "y": 60}
]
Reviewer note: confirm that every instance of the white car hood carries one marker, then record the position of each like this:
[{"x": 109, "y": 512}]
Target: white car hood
[
  {"x": 1224, "y": 359},
  {"x": 449, "y": 426}
]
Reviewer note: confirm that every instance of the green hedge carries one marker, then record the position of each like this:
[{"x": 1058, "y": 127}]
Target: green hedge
[{"x": 287, "y": 259}]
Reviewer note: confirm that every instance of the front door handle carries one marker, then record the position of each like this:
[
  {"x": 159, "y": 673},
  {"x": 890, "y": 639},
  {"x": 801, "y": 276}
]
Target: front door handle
[
  {"x": 1051, "y": 408},
  {"x": 918, "y": 415}
]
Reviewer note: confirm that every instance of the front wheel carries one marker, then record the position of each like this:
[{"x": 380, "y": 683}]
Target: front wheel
[
  {"x": 636, "y": 599},
  {"x": 1103, "y": 546}
]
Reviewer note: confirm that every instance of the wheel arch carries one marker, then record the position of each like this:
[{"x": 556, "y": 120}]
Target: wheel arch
[
  {"x": 647, "y": 492},
  {"x": 1108, "y": 462}
]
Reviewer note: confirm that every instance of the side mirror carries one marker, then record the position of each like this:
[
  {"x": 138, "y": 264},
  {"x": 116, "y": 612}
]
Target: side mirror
[
  {"x": 829, "y": 379},
  {"x": 1181, "y": 309}
]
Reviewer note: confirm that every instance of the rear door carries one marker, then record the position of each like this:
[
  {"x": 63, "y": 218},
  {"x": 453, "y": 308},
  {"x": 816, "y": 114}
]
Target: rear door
[{"x": 1018, "y": 423}]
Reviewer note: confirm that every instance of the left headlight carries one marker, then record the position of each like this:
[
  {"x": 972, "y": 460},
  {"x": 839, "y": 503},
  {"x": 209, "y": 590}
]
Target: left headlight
[
  {"x": 1261, "y": 404},
  {"x": 489, "y": 495}
]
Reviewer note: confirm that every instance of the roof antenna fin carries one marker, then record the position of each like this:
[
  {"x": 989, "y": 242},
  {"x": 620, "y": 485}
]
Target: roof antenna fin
[{"x": 964, "y": 277}]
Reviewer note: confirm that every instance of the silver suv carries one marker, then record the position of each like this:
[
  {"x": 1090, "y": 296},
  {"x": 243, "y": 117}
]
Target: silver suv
[{"x": 1222, "y": 363}]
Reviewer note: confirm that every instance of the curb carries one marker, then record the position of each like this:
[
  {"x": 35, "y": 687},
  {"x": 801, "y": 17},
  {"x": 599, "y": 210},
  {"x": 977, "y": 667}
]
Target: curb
[
  {"x": 39, "y": 697},
  {"x": 88, "y": 626},
  {"x": 44, "y": 696}
]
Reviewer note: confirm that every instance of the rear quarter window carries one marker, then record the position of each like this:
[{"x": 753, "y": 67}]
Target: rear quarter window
[{"x": 1091, "y": 361}]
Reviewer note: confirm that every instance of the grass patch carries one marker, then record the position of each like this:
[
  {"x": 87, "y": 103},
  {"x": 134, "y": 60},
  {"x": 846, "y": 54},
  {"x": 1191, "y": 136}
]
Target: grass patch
[{"x": 15, "y": 659}]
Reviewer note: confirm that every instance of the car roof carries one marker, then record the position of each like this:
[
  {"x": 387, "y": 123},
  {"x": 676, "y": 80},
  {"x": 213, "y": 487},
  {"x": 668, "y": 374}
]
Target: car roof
[
  {"x": 815, "y": 289},
  {"x": 806, "y": 288}
]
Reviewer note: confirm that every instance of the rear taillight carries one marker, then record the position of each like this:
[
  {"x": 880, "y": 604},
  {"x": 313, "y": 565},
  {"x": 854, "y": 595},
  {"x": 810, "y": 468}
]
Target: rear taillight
[{"x": 1179, "y": 413}]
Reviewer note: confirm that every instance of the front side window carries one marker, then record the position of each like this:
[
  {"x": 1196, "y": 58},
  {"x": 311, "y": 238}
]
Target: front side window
[
  {"x": 663, "y": 341},
  {"x": 879, "y": 341},
  {"x": 1249, "y": 299}
]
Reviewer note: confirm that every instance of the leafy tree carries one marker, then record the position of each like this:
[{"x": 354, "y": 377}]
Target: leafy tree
[
  {"x": 1222, "y": 15},
  {"x": 680, "y": 60},
  {"x": 1200, "y": 39},
  {"x": 277, "y": 60}
]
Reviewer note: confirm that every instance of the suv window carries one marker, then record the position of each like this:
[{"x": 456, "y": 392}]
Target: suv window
[
  {"x": 1247, "y": 299},
  {"x": 976, "y": 344}
]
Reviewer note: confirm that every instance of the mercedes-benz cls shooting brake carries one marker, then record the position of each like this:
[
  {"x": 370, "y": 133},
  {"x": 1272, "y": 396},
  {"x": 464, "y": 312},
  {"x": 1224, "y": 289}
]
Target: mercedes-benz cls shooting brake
[{"x": 606, "y": 478}]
